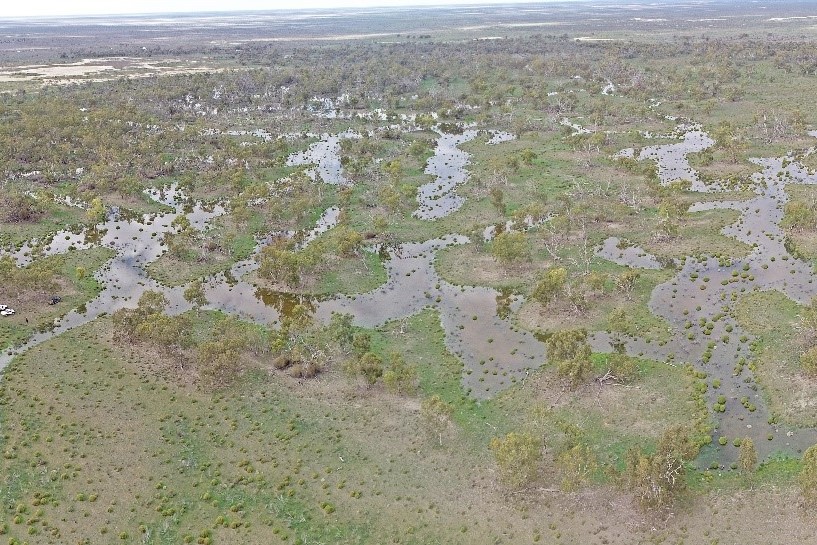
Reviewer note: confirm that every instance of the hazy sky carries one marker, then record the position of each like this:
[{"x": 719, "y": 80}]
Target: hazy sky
[{"x": 13, "y": 8}]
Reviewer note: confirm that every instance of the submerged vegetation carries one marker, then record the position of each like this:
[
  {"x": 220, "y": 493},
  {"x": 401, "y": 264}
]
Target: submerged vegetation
[{"x": 446, "y": 287}]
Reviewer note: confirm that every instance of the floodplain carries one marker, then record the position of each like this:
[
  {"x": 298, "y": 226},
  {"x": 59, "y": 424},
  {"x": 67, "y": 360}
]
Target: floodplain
[{"x": 537, "y": 273}]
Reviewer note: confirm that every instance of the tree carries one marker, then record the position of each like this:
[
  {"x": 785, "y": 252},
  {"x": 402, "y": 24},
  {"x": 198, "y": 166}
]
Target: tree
[
  {"x": 596, "y": 281},
  {"x": 527, "y": 156},
  {"x": 298, "y": 320},
  {"x": 400, "y": 378},
  {"x": 151, "y": 302},
  {"x": 799, "y": 215},
  {"x": 623, "y": 367},
  {"x": 361, "y": 342},
  {"x": 576, "y": 464},
  {"x": 569, "y": 351},
  {"x": 220, "y": 358},
  {"x": 370, "y": 367},
  {"x": 618, "y": 320},
  {"x": 808, "y": 361},
  {"x": 194, "y": 294},
  {"x": 517, "y": 456},
  {"x": 393, "y": 169},
  {"x": 626, "y": 281},
  {"x": 808, "y": 317},
  {"x": 808, "y": 476},
  {"x": 346, "y": 241},
  {"x": 498, "y": 200},
  {"x": 172, "y": 334},
  {"x": 17, "y": 205},
  {"x": 747, "y": 455},
  {"x": 96, "y": 212},
  {"x": 283, "y": 264},
  {"x": 510, "y": 247},
  {"x": 436, "y": 415},
  {"x": 341, "y": 330},
  {"x": 656, "y": 478},
  {"x": 577, "y": 296},
  {"x": 619, "y": 325},
  {"x": 419, "y": 147},
  {"x": 550, "y": 285},
  {"x": 728, "y": 138},
  {"x": 127, "y": 320}
]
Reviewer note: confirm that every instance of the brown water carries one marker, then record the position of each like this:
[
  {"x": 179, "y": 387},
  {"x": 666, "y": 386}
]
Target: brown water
[
  {"x": 494, "y": 352},
  {"x": 137, "y": 242},
  {"x": 325, "y": 155},
  {"x": 438, "y": 197}
]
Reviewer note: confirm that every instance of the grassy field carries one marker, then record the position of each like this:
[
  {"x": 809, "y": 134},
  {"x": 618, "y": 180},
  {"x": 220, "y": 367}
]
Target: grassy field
[
  {"x": 104, "y": 443},
  {"x": 791, "y": 393}
]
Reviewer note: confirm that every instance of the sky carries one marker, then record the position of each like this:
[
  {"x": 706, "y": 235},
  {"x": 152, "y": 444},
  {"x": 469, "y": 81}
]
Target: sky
[{"x": 45, "y": 8}]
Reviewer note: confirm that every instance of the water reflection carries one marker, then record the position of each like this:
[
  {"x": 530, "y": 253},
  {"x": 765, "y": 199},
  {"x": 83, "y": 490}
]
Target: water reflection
[{"x": 476, "y": 320}]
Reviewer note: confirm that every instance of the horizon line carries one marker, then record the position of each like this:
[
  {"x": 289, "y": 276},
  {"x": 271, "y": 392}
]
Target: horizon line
[{"x": 274, "y": 9}]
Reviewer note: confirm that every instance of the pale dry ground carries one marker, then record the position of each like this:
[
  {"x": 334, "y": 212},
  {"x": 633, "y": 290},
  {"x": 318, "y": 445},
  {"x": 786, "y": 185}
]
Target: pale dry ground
[
  {"x": 99, "y": 70},
  {"x": 766, "y": 516}
]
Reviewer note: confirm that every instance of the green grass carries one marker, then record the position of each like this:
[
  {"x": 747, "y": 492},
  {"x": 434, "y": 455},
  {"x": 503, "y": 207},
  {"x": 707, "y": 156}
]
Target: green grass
[
  {"x": 33, "y": 311},
  {"x": 56, "y": 218},
  {"x": 423, "y": 344},
  {"x": 352, "y": 275},
  {"x": 277, "y": 460},
  {"x": 774, "y": 319},
  {"x": 174, "y": 460}
]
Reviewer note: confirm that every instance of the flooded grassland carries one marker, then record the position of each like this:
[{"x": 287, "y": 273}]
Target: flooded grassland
[{"x": 698, "y": 302}]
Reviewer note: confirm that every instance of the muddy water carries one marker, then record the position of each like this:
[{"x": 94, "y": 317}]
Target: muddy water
[
  {"x": 628, "y": 256},
  {"x": 232, "y": 294},
  {"x": 498, "y": 137},
  {"x": 527, "y": 223},
  {"x": 672, "y": 158},
  {"x": 699, "y": 302},
  {"x": 494, "y": 353},
  {"x": 136, "y": 242}
]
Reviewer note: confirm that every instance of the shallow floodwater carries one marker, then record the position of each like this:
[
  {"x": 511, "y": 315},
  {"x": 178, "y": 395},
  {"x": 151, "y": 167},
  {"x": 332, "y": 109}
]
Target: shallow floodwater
[
  {"x": 438, "y": 197},
  {"x": 699, "y": 302},
  {"x": 495, "y": 353},
  {"x": 136, "y": 242},
  {"x": 325, "y": 154},
  {"x": 672, "y": 161},
  {"x": 629, "y": 256},
  {"x": 475, "y": 320}
]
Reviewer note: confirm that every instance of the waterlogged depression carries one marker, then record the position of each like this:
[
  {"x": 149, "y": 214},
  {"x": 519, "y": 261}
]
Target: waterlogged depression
[
  {"x": 494, "y": 352},
  {"x": 438, "y": 198},
  {"x": 698, "y": 303}
]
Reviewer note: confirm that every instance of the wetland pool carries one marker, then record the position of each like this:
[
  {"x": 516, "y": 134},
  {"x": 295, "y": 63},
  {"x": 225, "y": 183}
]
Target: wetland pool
[{"x": 698, "y": 303}]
